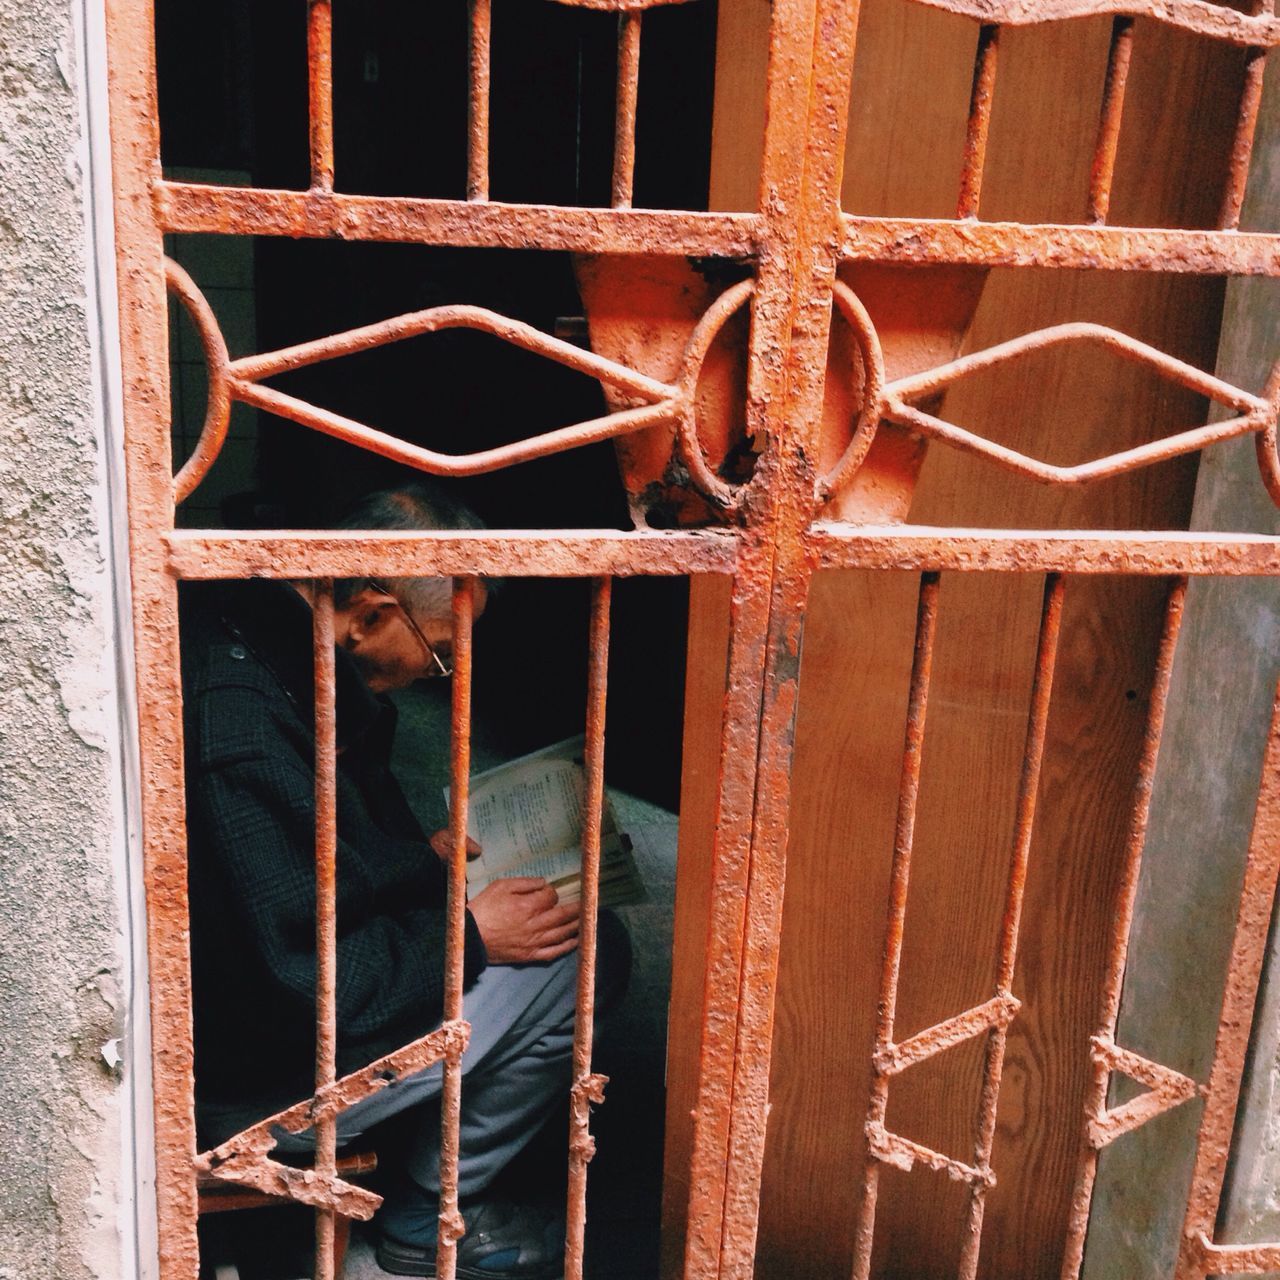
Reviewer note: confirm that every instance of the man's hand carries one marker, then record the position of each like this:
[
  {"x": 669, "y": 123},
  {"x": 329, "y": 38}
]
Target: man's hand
[
  {"x": 442, "y": 843},
  {"x": 521, "y": 920}
]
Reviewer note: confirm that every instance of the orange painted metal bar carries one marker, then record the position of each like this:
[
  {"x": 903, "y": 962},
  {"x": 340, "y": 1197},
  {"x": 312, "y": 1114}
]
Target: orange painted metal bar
[
  {"x": 810, "y": 73},
  {"x": 930, "y": 382},
  {"x": 899, "y": 882},
  {"x": 588, "y": 1087},
  {"x": 245, "y": 1158},
  {"x": 213, "y": 434},
  {"x": 519, "y": 553},
  {"x": 1200, "y": 1256},
  {"x": 320, "y": 92},
  {"x": 1133, "y": 552},
  {"x": 452, "y": 1226},
  {"x": 444, "y": 464},
  {"x": 326, "y": 1129},
  {"x": 1199, "y": 17},
  {"x": 930, "y": 242},
  {"x": 1176, "y": 446},
  {"x": 1242, "y": 143},
  {"x": 985, "y": 62},
  {"x": 1103, "y": 169},
  {"x": 254, "y": 211},
  {"x": 480, "y": 28},
  {"x": 1118, "y": 944},
  {"x": 1024, "y": 827},
  {"x": 624, "y": 125},
  {"x": 196, "y": 208},
  {"x": 438, "y": 320},
  {"x": 1236, "y": 1259},
  {"x": 143, "y": 316}
]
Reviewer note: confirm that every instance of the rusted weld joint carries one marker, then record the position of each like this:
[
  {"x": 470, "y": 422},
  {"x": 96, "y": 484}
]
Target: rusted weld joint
[
  {"x": 893, "y": 1058},
  {"x": 586, "y": 1090},
  {"x": 901, "y": 1153},
  {"x": 452, "y": 1226}
]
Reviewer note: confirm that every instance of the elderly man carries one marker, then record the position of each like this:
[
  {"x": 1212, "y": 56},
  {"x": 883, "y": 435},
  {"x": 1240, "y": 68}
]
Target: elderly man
[{"x": 248, "y": 693}]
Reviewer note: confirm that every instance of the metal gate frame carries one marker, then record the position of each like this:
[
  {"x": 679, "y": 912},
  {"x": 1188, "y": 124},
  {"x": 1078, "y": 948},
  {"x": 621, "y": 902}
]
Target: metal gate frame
[{"x": 771, "y": 542}]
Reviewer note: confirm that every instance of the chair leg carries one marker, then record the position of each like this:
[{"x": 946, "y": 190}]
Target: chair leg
[{"x": 341, "y": 1236}]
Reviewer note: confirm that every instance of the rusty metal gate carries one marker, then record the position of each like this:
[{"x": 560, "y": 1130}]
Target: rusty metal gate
[{"x": 769, "y": 533}]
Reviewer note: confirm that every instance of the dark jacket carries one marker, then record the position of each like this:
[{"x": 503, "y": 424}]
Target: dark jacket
[{"x": 250, "y": 750}]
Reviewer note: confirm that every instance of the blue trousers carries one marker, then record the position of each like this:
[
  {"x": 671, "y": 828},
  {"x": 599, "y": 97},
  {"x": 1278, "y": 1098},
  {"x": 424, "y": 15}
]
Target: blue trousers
[{"x": 517, "y": 1065}]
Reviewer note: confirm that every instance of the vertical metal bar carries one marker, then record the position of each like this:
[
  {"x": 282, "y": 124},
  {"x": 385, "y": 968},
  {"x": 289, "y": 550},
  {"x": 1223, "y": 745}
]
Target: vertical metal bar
[
  {"x": 1024, "y": 825},
  {"x": 320, "y": 91},
  {"x": 980, "y": 99},
  {"x": 1104, "y": 151},
  {"x": 1242, "y": 142},
  {"x": 478, "y": 101},
  {"x": 624, "y": 121},
  {"x": 451, "y": 1224},
  {"x": 810, "y": 72},
  {"x": 326, "y": 905},
  {"x": 1118, "y": 947},
  {"x": 588, "y": 1088},
  {"x": 1244, "y": 973},
  {"x": 143, "y": 312},
  {"x": 899, "y": 882}
]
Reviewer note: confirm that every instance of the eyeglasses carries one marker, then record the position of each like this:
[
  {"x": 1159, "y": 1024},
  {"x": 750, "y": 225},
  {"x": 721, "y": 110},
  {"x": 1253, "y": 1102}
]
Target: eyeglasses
[{"x": 442, "y": 668}]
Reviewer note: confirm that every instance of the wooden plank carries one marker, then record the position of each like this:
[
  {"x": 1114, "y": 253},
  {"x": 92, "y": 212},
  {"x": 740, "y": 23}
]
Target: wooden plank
[{"x": 703, "y": 711}]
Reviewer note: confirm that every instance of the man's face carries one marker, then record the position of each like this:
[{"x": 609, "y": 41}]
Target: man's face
[{"x": 392, "y": 646}]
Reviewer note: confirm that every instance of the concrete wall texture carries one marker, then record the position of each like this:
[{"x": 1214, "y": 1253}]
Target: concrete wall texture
[{"x": 65, "y": 1175}]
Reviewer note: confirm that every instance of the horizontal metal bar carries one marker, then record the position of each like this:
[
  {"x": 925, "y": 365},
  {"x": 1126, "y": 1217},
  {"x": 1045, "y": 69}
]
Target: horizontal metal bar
[
  {"x": 923, "y": 241},
  {"x": 618, "y": 6},
  {"x": 1238, "y": 1259},
  {"x": 249, "y": 211},
  {"x": 560, "y": 553},
  {"x": 1198, "y": 16},
  {"x": 919, "y": 548}
]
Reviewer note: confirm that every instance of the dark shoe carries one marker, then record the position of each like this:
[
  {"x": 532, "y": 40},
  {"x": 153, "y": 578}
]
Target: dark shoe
[{"x": 504, "y": 1241}]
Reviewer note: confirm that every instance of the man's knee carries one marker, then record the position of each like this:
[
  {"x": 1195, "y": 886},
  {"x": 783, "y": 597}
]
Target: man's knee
[{"x": 613, "y": 961}]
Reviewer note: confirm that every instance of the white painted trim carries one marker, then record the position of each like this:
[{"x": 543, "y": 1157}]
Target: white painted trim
[{"x": 139, "y": 1255}]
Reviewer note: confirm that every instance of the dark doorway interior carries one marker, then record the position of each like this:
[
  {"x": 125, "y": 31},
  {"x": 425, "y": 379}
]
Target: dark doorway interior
[
  {"x": 233, "y": 98},
  {"x": 233, "y": 109}
]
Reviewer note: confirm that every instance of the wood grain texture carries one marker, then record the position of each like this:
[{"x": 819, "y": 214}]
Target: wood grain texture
[
  {"x": 708, "y": 661},
  {"x": 910, "y": 91}
]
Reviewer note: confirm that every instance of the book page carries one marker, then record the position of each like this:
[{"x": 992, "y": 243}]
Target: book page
[{"x": 527, "y": 818}]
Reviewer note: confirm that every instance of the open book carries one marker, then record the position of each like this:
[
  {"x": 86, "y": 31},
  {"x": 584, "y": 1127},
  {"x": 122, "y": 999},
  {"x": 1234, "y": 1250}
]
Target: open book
[{"x": 527, "y": 816}]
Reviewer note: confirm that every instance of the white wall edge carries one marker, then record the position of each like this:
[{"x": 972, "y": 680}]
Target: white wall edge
[{"x": 139, "y": 1251}]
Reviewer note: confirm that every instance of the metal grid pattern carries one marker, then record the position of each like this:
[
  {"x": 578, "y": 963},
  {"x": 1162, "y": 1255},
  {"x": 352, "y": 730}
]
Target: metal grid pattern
[{"x": 770, "y": 542}]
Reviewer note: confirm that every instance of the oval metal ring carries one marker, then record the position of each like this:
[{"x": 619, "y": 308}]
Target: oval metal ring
[
  {"x": 218, "y": 412},
  {"x": 864, "y": 430},
  {"x": 1268, "y": 457},
  {"x": 724, "y": 495}
]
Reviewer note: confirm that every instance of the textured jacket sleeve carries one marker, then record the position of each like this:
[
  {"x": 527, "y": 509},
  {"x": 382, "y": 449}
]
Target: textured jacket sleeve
[{"x": 254, "y": 800}]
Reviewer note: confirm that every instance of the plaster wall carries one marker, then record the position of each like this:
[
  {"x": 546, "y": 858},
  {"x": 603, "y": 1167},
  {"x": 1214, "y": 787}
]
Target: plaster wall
[{"x": 67, "y": 1170}]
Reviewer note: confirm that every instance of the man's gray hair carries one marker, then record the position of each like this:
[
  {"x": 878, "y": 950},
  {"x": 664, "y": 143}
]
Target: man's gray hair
[{"x": 410, "y": 507}]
